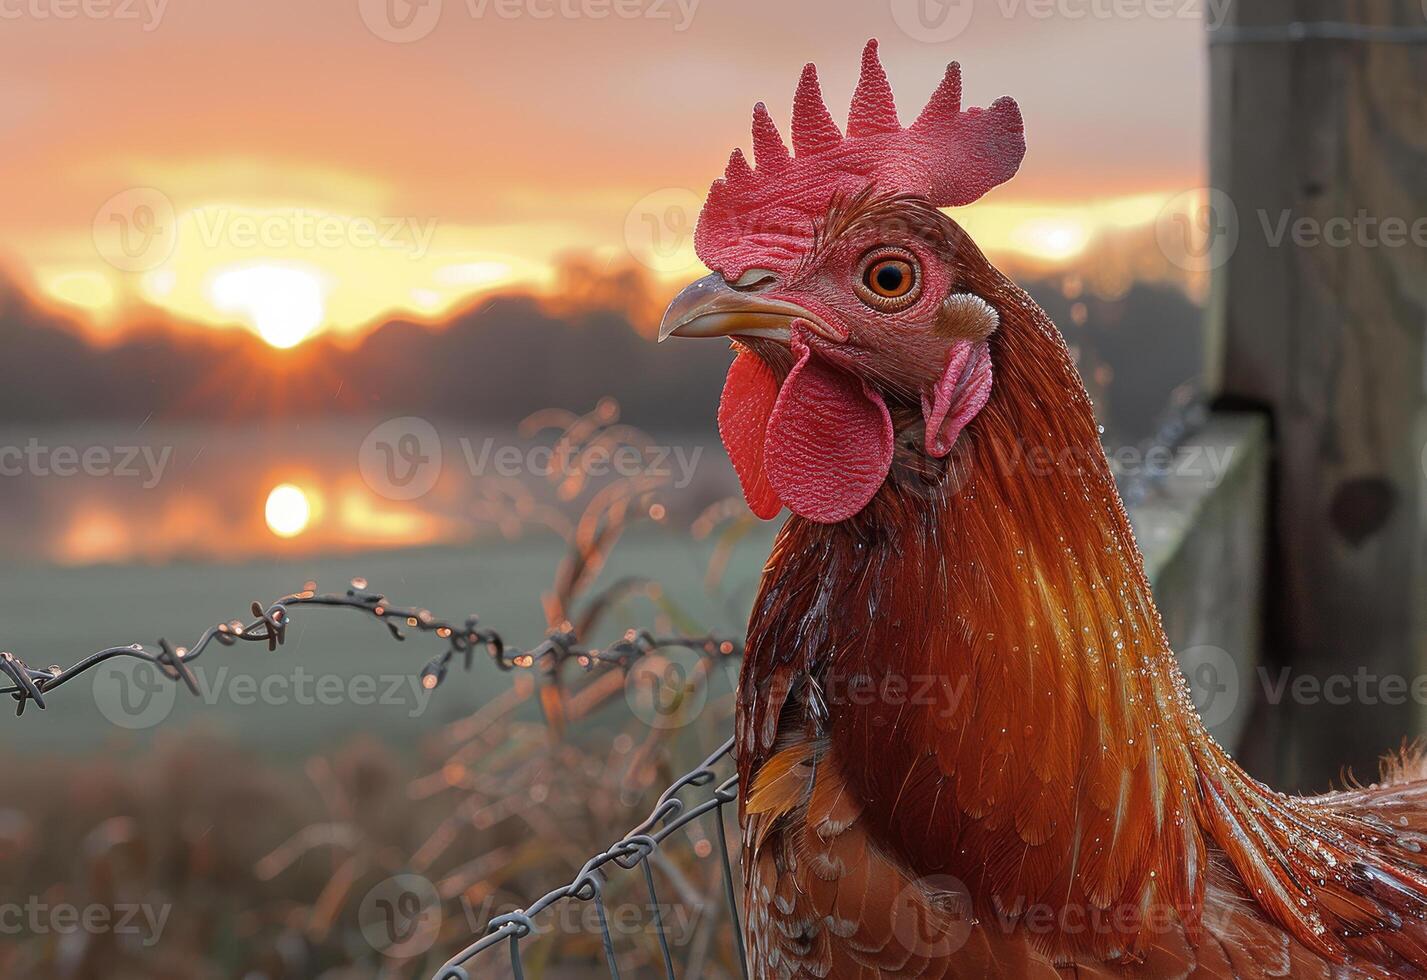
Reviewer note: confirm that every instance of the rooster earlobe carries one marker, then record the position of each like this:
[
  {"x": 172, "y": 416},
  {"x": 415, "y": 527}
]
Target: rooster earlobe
[{"x": 958, "y": 396}]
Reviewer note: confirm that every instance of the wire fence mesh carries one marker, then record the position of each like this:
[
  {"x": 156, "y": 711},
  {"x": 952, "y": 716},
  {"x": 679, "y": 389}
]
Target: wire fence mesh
[{"x": 638, "y": 849}]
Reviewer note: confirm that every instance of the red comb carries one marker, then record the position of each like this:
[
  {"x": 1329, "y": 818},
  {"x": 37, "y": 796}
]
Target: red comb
[{"x": 763, "y": 215}]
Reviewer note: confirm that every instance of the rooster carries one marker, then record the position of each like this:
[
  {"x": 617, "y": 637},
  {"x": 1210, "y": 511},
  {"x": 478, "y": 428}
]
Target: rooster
[{"x": 965, "y": 746}]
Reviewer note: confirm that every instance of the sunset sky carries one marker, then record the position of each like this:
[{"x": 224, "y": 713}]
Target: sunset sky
[{"x": 298, "y": 167}]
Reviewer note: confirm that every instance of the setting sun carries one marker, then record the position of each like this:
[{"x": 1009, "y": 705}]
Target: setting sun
[
  {"x": 284, "y": 304},
  {"x": 288, "y": 511},
  {"x": 1053, "y": 238}
]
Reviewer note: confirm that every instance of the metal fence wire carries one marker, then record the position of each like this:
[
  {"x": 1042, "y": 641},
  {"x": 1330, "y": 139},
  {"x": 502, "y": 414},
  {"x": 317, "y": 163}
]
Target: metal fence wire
[{"x": 504, "y": 934}]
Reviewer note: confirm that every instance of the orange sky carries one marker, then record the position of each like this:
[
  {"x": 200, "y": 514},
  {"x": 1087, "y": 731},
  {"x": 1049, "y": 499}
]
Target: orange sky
[{"x": 297, "y": 166}]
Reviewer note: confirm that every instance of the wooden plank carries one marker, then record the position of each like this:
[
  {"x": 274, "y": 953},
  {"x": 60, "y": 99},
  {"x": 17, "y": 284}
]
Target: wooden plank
[
  {"x": 1328, "y": 338},
  {"x": 1202, "y": 531}
]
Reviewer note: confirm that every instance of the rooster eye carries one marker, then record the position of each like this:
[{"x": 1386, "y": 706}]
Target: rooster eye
[{"x": 891, "y": 281}]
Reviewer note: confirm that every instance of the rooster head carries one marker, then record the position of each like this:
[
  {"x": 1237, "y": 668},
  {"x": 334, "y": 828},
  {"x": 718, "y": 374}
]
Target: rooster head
[{"x": 850, "y": 297}]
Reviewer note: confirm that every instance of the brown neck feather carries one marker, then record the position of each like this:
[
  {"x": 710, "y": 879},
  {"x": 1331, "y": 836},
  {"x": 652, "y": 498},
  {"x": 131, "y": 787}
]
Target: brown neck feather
[
  {"x": 990, "y": 657},
  {"x": 981, "y": 649}
]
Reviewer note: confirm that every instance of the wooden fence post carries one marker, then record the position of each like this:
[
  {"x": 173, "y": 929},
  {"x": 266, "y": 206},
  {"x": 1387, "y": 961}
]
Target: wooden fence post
[{"x": 1319, "y": 317}]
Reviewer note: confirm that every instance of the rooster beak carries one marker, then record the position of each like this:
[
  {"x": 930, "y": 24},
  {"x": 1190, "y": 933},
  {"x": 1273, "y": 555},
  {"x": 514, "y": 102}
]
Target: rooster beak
[{"x": 713, "y": 308}]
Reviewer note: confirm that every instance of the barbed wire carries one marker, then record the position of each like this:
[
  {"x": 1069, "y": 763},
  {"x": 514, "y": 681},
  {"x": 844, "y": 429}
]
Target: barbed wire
[
  {"x": 1186, "y": 414},
  {"x": 635, "y": 849},
  {"x": 270, "y": 624}
]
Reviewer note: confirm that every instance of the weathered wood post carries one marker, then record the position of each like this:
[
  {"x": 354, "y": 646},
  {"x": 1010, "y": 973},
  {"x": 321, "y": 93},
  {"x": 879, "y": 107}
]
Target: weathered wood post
[{"x": 1319, "y": 317}]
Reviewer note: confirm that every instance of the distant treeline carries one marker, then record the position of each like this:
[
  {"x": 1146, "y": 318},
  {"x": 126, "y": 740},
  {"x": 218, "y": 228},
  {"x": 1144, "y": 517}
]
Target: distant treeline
[{"x": 496, "y": 363}]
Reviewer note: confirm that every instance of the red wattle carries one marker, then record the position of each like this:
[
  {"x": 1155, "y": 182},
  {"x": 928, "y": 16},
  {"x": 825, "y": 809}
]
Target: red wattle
[
  {"x": 829, "y": 442},
  {"x": 749, "y": 394}
]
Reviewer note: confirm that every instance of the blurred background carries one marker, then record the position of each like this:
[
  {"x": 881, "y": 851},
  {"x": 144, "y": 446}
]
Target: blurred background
[{"x": 366, "y": 289}]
